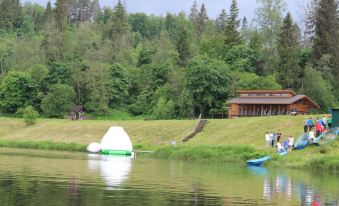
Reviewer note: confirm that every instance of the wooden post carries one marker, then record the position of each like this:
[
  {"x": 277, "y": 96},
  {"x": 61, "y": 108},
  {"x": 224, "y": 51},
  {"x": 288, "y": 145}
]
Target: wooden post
[
  {"x": 262, "y": 109},
  {"x": 270, "y": 110},
  {"x": 279, "y": 110}
]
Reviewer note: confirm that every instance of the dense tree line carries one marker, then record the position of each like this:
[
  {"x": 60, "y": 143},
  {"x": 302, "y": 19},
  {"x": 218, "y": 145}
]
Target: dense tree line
[{"x": 176, "y": 66}]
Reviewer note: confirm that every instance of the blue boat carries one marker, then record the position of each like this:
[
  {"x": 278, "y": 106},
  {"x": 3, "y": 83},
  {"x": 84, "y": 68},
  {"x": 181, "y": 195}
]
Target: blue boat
[
  {"x": 301, "y": 142},
  {"x": 327, "y": 136},
  {"x": 258, "y": 162}
]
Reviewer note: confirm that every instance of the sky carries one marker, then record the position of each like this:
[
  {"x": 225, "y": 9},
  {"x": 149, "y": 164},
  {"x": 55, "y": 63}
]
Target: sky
[{"x": 161, "y": 7}]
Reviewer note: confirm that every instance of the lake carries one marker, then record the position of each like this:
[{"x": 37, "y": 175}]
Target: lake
[{"x": 34, "y": 177}]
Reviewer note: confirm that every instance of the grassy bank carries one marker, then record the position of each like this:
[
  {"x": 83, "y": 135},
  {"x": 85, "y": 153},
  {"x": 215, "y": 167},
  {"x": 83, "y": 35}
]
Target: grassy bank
[
  {"x": 44, "y": 145},
  {"x": 222, "y": 140},
  {"x": 228, "y": 153}
]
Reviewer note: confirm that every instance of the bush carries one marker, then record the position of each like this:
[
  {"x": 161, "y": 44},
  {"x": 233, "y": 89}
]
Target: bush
[
  {"x": 58, "y": 101},
  {"x": 30, "y": 115},
  {"x": 163, "y": 109}
]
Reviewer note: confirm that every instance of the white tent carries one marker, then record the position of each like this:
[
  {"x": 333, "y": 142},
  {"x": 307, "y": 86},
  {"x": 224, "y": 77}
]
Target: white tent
[{"x": 116, "y": 139}]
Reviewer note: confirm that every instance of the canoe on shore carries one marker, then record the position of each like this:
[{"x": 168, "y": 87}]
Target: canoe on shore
[
  {"x": 258, "y": 162},
  {"x": 326, "y": 137},
  {"x": 301, "y": 142}
]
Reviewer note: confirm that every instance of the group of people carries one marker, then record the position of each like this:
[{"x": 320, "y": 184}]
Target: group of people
[
  {"x": 276, "y": 140},
  {"x": 320, "y": 125}
]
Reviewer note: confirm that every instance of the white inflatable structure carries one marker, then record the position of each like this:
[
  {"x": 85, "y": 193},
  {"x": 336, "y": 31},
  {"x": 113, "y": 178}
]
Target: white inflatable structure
[
  {"x": 94, "y": 147},
  {"x": 115, "y": 142}
]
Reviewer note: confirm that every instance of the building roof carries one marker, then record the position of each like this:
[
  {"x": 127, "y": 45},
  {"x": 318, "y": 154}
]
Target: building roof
[
  {"x": 271, "y": 100},
  {"x": 267, "y": 92}
]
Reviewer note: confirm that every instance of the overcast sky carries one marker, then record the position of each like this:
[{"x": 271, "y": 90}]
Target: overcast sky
[{"x": 161, "y": 7}]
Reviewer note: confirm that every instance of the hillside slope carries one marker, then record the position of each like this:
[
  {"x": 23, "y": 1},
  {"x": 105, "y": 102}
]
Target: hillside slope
[{"x": 152, "y": 134}]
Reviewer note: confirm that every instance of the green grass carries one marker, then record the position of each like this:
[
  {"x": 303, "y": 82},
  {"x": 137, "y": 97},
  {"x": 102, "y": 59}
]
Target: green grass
[
  {"x": 44, "y": 145},
  {"x": 145, "y": 135},
  {"x": 229, "y": 153}
]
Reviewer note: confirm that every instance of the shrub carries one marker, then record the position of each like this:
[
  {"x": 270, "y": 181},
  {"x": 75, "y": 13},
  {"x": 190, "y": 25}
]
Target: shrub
[
  {"x": 163, "y": 109},
  {"x": 30, "y": 115},
  {"x": 58, "y": 101}
]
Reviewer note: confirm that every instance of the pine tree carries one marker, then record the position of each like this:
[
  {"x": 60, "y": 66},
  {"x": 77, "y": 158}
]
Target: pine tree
[
  {"x": 288, "y": 70},
  {"x": 310, "y": 20},
  {"x": 233, "y": 23},
  {"x": 193, "y": 16},
  {"x": 95, "y": 10},
  {"x": 61, "y": 14},
  {"x": 201, "y": 21},
  {"x": 17, "y": 9},
  {"x": 269, "y": 18},
  {"x": 326, "y": 38},
  {"x": 10, "y": 15},
  {"x": 48, "y": 15},
  {"x": 244, "y": 31},
  {"x": 183, "y": 46},
  {"x": 221, "y": 21},
  {"x": 327, "y": 31},
  {"x": 118, "y": 27},
  {"x": 6, "y": 15}
]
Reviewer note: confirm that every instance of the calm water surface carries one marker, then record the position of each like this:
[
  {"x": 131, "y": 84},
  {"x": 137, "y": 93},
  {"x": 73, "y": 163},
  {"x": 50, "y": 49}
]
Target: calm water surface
[{"x": 30, "y": 177}]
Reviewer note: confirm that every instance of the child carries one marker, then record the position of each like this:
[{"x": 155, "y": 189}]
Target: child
[
  {"x": 311, "y": 136},
  {"x": 267, "y": 138},
  {"x": 285, "y": 145},
  {"x": 290, "y": 143},
  {"x": 279, "y": 148}
]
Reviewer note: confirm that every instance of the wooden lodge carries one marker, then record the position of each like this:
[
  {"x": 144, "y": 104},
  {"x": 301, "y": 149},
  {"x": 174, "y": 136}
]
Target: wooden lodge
[{"x": 269, "y": 103}]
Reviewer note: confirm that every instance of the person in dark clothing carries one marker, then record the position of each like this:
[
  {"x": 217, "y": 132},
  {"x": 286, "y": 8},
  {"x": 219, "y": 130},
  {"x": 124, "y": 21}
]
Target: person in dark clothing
[
  {"x": 274, "y": 136},
  {"x": 279, "y": 136}
]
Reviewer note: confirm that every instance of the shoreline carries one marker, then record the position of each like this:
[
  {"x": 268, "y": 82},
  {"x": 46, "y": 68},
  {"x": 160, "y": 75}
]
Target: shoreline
[
  {"x": 221, "y": 140},
  {"x": 224, "y": 154}
]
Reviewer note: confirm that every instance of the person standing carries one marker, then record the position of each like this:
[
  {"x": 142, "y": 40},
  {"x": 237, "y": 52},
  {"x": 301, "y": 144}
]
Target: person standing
[
  {"x": 290, "y": 143},
  {"x": 286, "y": 145},
  {"x": 311, "y": 136},
  {"x": 329, "y": 122},
  {"x": 279, "y": 136},
  {"x": 274, "y": 136},
  {"x": 267, "y": 138},
  {"x": 324, "y": 122},
  {"x": 310, "y": 123},
  {"x": 318, "y": 128},
  {"x": 306, "y": 126}
]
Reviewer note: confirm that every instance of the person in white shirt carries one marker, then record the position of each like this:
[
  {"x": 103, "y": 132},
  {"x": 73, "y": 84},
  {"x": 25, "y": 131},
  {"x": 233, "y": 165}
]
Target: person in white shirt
[
  {"x": 290, "y": 143},
  {"x": 311, "y": 136},
  {"x": 267, "y": 139},
  {"x": 324, "y": 122}
]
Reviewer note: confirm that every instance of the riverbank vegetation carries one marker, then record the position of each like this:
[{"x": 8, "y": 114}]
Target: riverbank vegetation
[
  {"x": 44, "y": 145},
  {"x": 227, "y": 153},
  {"x": 160, "y": 67}
]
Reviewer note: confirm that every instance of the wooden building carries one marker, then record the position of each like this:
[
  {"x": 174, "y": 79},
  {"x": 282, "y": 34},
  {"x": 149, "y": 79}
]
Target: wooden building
[{"x": 269, "y": 103}]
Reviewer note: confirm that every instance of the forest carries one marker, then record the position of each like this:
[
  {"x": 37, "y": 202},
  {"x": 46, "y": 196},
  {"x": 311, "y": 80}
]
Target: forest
[{"x": 174, "y": 66}]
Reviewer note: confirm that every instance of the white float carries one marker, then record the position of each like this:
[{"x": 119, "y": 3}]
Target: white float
[{"x": 94, "y": 147}]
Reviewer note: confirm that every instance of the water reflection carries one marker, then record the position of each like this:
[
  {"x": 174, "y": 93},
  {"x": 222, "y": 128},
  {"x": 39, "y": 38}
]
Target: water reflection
[
  {"x": 281, "y": 186},
  {"x": 114, "y": 170}
]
